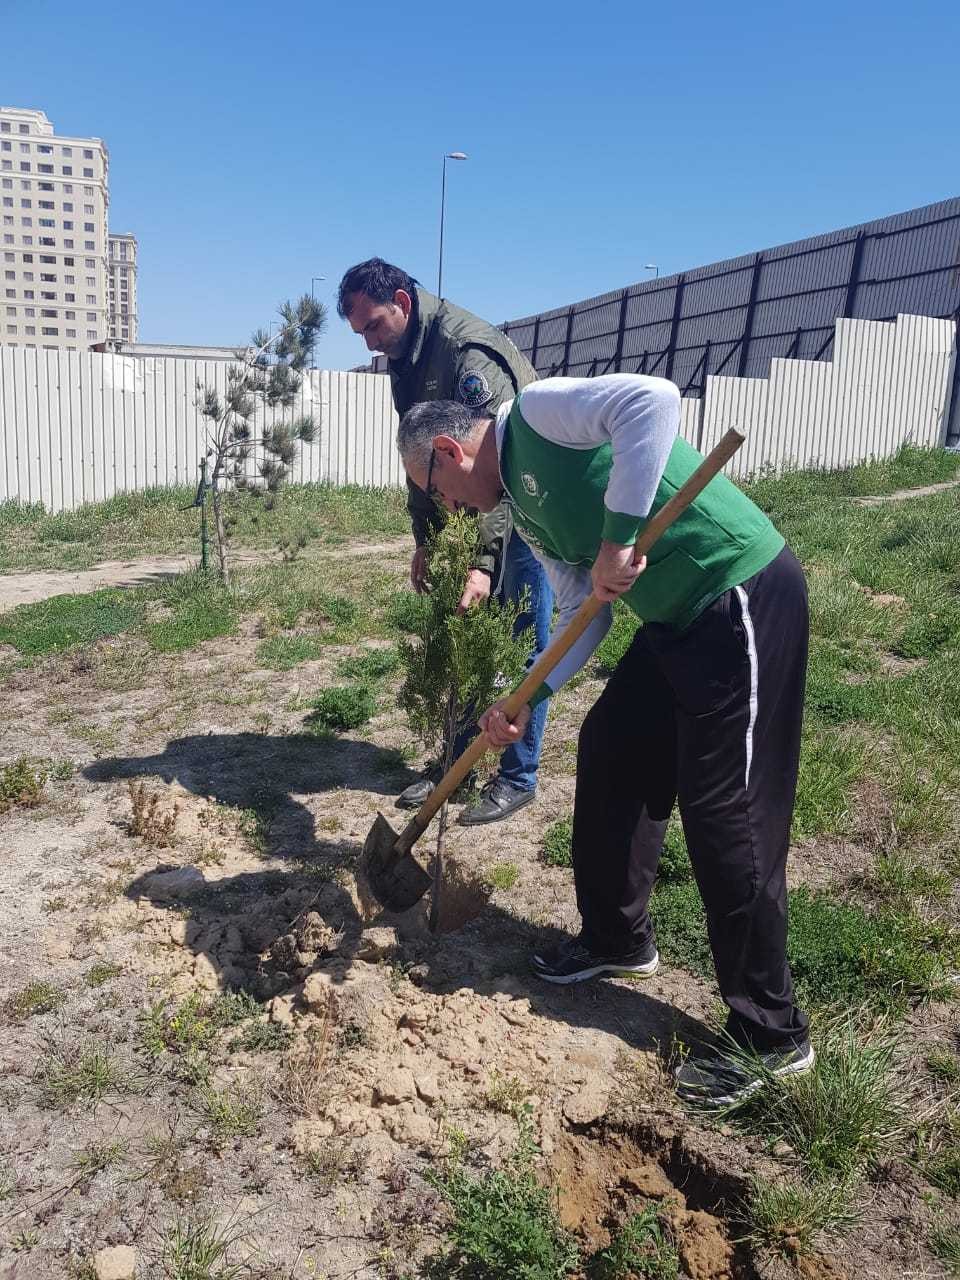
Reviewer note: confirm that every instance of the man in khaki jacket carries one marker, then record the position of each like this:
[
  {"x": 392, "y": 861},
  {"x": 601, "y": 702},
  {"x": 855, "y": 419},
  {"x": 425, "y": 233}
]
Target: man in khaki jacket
[{"x": 439, "y": 351}]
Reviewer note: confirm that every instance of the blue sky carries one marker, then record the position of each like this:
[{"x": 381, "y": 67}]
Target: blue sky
[{"x": 254, "y": 146}]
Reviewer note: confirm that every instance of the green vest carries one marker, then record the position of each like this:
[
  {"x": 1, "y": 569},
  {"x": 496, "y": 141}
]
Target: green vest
[{"x": 557, "y": 494}]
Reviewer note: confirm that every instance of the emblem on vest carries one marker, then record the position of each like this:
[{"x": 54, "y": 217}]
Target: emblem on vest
[
  {"x": 473, "y": 388},
  {"x": 430, "y": 385},
  {"x": 530, "y": 484}
]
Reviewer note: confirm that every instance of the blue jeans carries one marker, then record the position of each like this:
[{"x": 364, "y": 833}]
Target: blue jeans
[{"x": 519, "y": 763}]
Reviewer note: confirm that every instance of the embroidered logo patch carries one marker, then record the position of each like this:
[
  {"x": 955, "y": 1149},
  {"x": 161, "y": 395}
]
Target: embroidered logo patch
[
  {"x": 529, "y": 482},
  {"x": 430, "y": 385},
  {"x": 473, "y": 388}
]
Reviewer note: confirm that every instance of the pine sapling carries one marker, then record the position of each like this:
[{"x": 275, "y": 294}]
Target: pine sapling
[{"x": 266, "y": 381}]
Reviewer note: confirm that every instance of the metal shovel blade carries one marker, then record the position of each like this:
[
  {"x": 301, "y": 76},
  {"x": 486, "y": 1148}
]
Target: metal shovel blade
[{"x": 397, "y": 879}]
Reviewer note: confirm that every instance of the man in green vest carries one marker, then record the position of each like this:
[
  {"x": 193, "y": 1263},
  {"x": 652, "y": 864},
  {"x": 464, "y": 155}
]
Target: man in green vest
[
  {"x": 705, "y": 707},
  {"x": 439, "y": 351}
]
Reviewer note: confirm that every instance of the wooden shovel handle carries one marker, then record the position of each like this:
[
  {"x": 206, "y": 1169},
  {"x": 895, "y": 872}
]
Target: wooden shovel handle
[{"x": 713, "y": 463}]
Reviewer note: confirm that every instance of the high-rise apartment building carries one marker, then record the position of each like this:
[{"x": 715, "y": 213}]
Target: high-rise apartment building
[
  {"x": 122, "y": 288},
  {"x": 54, "y": 213}
]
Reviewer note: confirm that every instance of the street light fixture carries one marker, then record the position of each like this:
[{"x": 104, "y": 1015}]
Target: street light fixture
[
  {"x": 450, "y": 155},
  {"x": 652, "y": 266}
]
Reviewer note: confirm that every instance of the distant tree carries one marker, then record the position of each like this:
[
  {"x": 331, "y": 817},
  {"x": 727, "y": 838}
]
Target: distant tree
[
  {"x": 267, "y": 378},
  {"x": 456, "y": 664}
]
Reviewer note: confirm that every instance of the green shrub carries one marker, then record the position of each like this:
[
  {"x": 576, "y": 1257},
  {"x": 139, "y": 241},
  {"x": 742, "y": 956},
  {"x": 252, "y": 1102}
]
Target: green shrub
[
  {"x": 21, "y": 784},
  {"x": 641, "y": 1247},
  {"x": 407, "y": 611},
  {"x": 505, "y": 1224},
  {"x": 674, "y": 865},
  {"x": 342, "y": 707},
  {"x": 557, "y": 844},
  {"x": 617, "y": 640}
]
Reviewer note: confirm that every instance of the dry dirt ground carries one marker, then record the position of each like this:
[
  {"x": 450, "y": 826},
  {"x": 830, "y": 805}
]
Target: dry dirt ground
[{"x": 307, "y": 1129}]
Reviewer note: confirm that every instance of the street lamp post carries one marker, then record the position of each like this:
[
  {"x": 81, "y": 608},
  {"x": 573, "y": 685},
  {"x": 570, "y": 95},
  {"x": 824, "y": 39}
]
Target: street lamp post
[
  {"x": 450, "y": 155},
  {"x": 652, "y": 266}
]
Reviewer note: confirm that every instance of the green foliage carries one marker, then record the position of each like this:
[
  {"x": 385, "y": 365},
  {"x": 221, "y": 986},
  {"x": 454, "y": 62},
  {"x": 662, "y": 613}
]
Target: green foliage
[
  {"x": 558, "y": 844},
  {"x": 201, "y": 609},
  {"x": 944, "y": 1066},
  {"x": 945, "y": 1243},
  {"x": 407, "y": 612},
  {"x": 342, "y": 707},
  {"x": 262, "y": 1037},
  {"x": 228, "y": 1114},
  {"x": 844, "y": 956},
  {"x": 831, "y": 761},
  {"x": 641, "y": 1247},
  {"x": 681, "y": 928},
  {"x": 21, "y": 784},
  {"x": 674, "y": 867},
  {"x": 64, "y": 622},
  {"x": 505, "y": 1224},
  {"x": 454, "y": 661}
]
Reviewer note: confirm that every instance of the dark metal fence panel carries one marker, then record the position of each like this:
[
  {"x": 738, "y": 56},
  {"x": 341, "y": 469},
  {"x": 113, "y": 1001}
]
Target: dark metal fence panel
[{"x": 733, "y": 317}]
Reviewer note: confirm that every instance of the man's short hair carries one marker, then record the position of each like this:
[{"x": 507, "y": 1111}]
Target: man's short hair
[
  {"x": 379, "y": 280},
  {"x": 430, "y": 418}
]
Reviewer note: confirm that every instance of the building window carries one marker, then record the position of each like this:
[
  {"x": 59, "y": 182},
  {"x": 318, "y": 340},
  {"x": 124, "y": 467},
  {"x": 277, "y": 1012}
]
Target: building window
[
  {"x": 25, "y": 166},
  {"x": 7, "y": 238},
  {"x": 7, "y": 184},
  {"x": 27, "y": 203},
  {"x": 71, "y": 315},
  {"x": 47, "y": 296},
  {"x": 45, "y": 150},
  {"x": 91, "y": 315},
  {"x": 28, "y": 239},
  {"x": 89, "y": 244},
  {"x": 11, "y": 328},
  {"x": 8, "y": 202},
  {"x": 91, "y": 282},
  {"x": 42, "y": 186},
  {"x": 8, "y": 219},
  {"x": 71, "y": 333},
  {"x": 67, "y": 151},
  {"x": 44, "y": 204},
  {"x": 48, "y": 314},
  {"x": 9, "y": 275},
  {"x": 69, "y": 279},
  {"x": 28, "y": 293},
  {"x": 28, "y": 257},
  {"x": 45, "y": 222},
  {"x": 92, "y": 334},
  {"x": 88, "y": 226},
  {"x": 68, "y": 262},
  {"x": 91, "y": 299},
  {"x": 46, "y": 257},
  {"x": 11, "y": 311},
  {"x": 30, "y": 328},
  {"x": 68, "y": 188},
  {"x": 5, "y": 126},
  {"x": 48, "y": 241},
  {"x": 4, "y": 146},
  {"x": 30, "y": 311},
  {"x": 88, "y": 173},
  {"x": 126, "y": 333},
  {"x": 48, "y": 277},
  {"x": 68, "y": 244},
  {"x": 69, "y": 297},
  {"x": 50, "y": 333},
  {"x": 25, "y": 146},
  {"x": 10, "y": 293},
  {"x": 23, "y": 128},
  {"x": 67, "y": 224},
  {"x": 67, "y": 170},
  {"x": 123, "y": 250}
]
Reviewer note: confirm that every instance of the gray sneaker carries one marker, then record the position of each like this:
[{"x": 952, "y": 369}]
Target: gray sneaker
[
  {"x": 727, "y": 1078},
  {"x": 571, "y": 961}
]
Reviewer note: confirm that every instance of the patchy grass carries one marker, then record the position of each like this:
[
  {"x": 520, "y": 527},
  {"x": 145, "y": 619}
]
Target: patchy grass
[
  {"x": 283, "y": 653},
  {"x": 67, "y": 621},
  {"x": 841, "y": 1118},
  {"x": 503, "y": 875},
  {"x": 792, "y": 1218},
  {"x": 369, "y": 666},
  {"x": 103, "y": 971},
  {"x": 154, "y": 522},
  {"x": 35, "y": 998},
  {"x": 228, "y": 1114},
  {"x": 197, "y": 1248},
  {"x": 73, "y": 1070}
]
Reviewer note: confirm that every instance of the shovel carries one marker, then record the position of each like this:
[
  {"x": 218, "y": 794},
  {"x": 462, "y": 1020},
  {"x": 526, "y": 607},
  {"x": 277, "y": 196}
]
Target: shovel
[{"x": 394, "y": 875}]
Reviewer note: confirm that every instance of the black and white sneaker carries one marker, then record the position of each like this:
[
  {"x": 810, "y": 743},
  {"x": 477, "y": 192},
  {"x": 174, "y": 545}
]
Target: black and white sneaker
[
  {"x": 571, "y": 961},
  {"x": 725, "y": 1079}
]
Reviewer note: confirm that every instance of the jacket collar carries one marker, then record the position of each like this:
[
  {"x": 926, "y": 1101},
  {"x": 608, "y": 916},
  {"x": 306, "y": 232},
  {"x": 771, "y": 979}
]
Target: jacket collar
[{"x": 427, "y": 309}]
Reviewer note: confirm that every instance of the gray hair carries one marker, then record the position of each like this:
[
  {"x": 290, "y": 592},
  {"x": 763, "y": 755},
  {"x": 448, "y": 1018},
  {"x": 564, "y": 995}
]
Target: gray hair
[{"x": 423, "y": 422}]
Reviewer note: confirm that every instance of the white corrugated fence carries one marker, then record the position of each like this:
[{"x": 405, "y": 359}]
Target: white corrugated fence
[{"x": 79, "y": 427}]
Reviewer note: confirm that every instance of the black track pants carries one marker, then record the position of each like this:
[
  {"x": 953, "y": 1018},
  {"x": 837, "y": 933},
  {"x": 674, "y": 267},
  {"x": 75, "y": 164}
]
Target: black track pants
[{"x": 711, "y": 717}]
